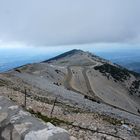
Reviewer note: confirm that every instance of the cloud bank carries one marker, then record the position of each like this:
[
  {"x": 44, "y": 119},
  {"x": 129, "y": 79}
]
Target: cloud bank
[{"x": 63, "y": 22}]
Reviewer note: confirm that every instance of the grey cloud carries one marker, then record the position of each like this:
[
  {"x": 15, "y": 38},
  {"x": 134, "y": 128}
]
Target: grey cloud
[{"x": 58, "y": 22}]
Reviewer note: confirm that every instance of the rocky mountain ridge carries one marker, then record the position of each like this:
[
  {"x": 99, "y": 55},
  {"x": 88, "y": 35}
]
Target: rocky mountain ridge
[{"x": 85, "y": 90}]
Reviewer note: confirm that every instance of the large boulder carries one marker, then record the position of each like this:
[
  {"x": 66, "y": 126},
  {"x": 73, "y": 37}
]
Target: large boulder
[{"x": 17, "y": 124}]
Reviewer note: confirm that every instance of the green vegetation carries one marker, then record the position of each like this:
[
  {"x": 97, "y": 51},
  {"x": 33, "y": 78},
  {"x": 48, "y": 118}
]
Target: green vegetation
[
  {"x": 111, "y": 120},
  {"x": 135, "y": 87},
  {"x": 119, "y": 74},
  {"x": 52, "y": 120}
]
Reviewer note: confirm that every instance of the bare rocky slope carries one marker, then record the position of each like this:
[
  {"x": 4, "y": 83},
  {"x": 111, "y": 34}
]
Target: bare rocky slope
[
  {"x": 90, "y": 97},
  {"x": 17, "y": 124}
]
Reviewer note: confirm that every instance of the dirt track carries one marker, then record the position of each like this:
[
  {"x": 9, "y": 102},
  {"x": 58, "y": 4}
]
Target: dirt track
[{"x": 90, "y": 93}]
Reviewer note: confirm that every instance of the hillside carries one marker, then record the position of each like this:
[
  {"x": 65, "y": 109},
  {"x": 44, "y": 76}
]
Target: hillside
[
  {"x": 16, "y": 124},
  {"x": 91, "y": 94}
]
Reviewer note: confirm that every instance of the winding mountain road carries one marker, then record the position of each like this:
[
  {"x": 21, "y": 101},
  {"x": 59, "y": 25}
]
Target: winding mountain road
[{"x": 90, "y": 93}]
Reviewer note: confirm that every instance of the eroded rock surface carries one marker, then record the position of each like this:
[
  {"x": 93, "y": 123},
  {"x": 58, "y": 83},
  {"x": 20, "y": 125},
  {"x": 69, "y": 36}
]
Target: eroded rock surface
[{"x": 16, "y": 124}]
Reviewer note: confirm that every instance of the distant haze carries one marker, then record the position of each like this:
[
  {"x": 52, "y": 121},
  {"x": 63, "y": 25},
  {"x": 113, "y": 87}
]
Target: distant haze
[{"x": 14, "y": 57}]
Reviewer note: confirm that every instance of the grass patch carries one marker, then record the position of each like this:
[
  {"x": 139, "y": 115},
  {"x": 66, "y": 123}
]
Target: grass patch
[
  {"x": 111, "y": 120},
  {"x": 52, "y": 120}
]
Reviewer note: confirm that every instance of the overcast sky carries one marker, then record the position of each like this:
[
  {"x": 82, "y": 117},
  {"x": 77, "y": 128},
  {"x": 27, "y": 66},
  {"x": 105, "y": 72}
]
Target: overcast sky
[{"x": 66, "y": 22}]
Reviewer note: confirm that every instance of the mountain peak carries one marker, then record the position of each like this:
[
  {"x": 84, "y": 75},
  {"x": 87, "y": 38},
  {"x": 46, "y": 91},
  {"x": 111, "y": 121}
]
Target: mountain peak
[
  {"x": 74, "y": 51},
  {"x": 68, "y": 53}
]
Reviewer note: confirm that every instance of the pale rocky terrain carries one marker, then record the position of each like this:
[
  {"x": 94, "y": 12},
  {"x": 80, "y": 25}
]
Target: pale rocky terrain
[
  {"x": 17, "y": 124},
  {"x": 92, "y": 98}
]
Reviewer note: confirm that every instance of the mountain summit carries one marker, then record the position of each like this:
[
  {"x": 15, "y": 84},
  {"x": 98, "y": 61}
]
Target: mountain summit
[{"x": 66, "y": 54}]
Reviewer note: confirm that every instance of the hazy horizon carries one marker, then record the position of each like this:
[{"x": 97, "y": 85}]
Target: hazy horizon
[{"x": 11, "y": 57}]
